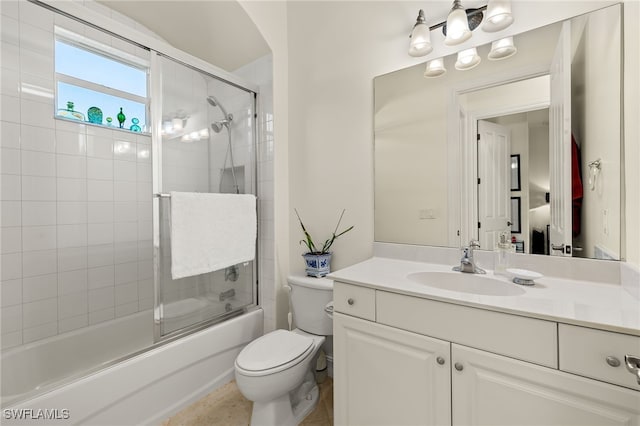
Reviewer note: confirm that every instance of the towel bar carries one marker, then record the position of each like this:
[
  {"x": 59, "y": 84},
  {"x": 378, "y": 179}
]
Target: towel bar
[{"x": 161, "y": 195}]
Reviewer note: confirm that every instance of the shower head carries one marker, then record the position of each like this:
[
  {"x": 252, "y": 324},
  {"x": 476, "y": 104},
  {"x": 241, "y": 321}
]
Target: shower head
[
  {"x": 214, "y": 103},
  {"x": 217, "y": 126}
]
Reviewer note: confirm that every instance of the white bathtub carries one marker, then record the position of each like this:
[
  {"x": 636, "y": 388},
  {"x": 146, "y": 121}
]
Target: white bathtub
[{"x": 144, "y": 389}]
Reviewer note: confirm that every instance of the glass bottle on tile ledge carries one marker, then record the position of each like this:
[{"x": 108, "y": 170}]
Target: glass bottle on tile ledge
[
  {"x": 94, "y": 114},
  {"x": 134, "y": 127},
  {"x": 70, "y": 113},
  {"x": 109, "y": 121},
  {"x": 121, "y": 117}
]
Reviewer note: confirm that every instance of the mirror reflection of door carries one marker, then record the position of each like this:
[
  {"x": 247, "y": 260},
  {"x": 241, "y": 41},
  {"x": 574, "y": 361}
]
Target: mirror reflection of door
[{"x": 494, "y": 208}]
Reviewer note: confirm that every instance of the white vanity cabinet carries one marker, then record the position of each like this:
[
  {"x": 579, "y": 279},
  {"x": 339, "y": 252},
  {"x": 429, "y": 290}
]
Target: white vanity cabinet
[{"x": 404, "y": 360}]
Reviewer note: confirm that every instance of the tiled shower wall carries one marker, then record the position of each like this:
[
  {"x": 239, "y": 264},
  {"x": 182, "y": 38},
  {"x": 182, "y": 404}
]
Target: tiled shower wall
[{"x": 76, "y": 199}]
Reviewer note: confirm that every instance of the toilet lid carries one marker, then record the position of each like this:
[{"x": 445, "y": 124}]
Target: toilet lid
[{"x": 272, "y": 350}]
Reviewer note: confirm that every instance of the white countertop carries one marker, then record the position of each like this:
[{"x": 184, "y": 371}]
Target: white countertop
[{"x": 597, "y": 305}]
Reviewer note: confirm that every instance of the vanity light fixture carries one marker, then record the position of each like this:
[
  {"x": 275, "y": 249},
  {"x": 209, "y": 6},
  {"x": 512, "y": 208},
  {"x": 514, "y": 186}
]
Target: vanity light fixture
[
  {"x": 435, "y": 68},
  {"x": 457, "y": 28},
  {"x": 467, "y": 59},
  {"x": 498, "y": 16},
  {"x": 459, "y": 25},
  {"x": 420, "y": 37},
  {"x": 502, "y": 49}
]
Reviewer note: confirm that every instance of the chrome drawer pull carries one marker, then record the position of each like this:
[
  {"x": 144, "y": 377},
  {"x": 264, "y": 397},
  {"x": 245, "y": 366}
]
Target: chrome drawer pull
[
  {"x": 351, "y": 301},
  {"x": 440, "y": 360},
  {"x": 459, "y": 366},
  {"x": 613, "y": 361},
  {"x": 633, "y": 365}
]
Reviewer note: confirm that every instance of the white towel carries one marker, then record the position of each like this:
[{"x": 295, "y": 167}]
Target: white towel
[{"x": 211, "y": 231}]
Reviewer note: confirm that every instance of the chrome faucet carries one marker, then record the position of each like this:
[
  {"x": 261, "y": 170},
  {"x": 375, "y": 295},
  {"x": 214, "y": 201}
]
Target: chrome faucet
[{"x": 467, "y": 263}]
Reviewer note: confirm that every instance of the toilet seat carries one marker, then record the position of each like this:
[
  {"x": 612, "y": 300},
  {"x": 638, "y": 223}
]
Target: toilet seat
[{"x": 273, "y": 352}]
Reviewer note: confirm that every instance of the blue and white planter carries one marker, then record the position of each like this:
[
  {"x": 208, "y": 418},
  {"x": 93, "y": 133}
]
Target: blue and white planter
[{"x": 317, "y": 265}]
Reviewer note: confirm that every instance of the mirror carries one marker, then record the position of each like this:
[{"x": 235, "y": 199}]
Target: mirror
[{"x": 437, "y": 183}]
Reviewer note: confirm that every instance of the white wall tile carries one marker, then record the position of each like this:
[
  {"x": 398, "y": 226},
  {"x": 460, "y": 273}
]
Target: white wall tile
[
  {"x": 40, "y": 287},
  {"x": 10, "y": 164},
  {"x": 11, "y": 187},
  {"x": 100, "y": 212},
  {"x": 39, "y": 263},
  {"x": 144, "y": 191},
  {"x": 11, "y": 266},
  {"x": 9, "y": 80},
  {"x": 10, "y": 56},
  {"x": 10, "y": 340},
  {"x": 71, "y": 189},
  {"x": 101, "y": 298},
  {"x": 144, "y": 153},
  {"x": 145, "y": 250},
  {"x": 99, "y": 146},
  {"x": 11, "y": 292},
  {"x": 36, "y": 88},
  {"x": 35, "y": 213},
  {"x": 124, "y": 150},
  {"x": 145, "y": 289},
  {"x": 40, "y": 332},
  {"x": 72, "y": 236},
  {"x": 11, "y": 318},
  {"x": 100, "y": 255},
  {"x": 100, "y": 233},
  {"x": 75, "y": 281},
  {"x": 10, "y": 135},
  {"x": 144, "y": 304},
  {"x": 125, "y": 252},
  {"x": 126, "y": 293},
  {"x": 37, "y": 188},
  {"x": 144, "y": 173},
  {"x": 38, "y": 238},
  {"x": 145, "y": 230},
  {"x": 39, "y": 313},
  {"x": 127, "y": 309},
  {"x": 71, "y": 143},
  {"x": 125, "y": 191},
  {"x": 36, "y": 40},
  {"x": 11, "y": 213},
  {"x": 71, "y": 166},
  {"x": 145, "y": 211},
  {"x": 10, "y": 8},
  {"x": 102, "y": 276},
  {"x": 34, "y": 138},
  {"x": 74, "y": 323},
  {"x": 37, "y": 113},
  {"x": 10, "y": 240},
  {"x": 36, "y": 15},
  {"x": 125, "y": 171},
  {"x": 10, "y": 106},
  {"x": 71, "y": 212},
  {"x": 145, "y": 270},
  {"x": 126, "y": 231},
  {"x": 126, "y": 273},
  {"x": 71, "y": 259},
  {"x": 100, "y": 168},
  {"x": 97, "y": 317},
  {"x": 100, "y": 190},
  {"x": 35, "y": 163},
  {"x": 126, "y": 211},
  {"x": 73, "y": 305}
]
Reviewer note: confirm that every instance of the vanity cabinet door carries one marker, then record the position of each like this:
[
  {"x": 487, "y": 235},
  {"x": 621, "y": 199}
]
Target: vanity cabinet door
[
  {"x": 489, "y": 389},
  {"x": 386, "y": 376}
]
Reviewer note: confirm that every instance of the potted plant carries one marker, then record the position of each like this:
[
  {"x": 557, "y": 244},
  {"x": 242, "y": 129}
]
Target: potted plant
[{"x": 318, "y": 262}]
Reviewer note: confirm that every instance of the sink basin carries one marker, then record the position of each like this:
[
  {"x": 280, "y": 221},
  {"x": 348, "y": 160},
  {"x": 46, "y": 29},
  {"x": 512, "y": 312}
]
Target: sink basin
[{"x": 466, "y": 283}]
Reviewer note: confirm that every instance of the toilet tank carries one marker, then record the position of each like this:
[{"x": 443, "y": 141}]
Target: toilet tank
[{"x": 309, "y": 296}]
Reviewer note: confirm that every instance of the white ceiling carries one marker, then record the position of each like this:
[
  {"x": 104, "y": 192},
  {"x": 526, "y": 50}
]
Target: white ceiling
[{"x": 217, "y": 31}]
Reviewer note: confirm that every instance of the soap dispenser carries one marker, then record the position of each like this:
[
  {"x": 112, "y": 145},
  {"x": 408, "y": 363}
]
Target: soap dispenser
[{"x": 502, "y": 254}]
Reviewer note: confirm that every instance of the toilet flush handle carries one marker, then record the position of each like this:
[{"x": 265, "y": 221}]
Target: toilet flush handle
[{"x": 329, "y": 309}]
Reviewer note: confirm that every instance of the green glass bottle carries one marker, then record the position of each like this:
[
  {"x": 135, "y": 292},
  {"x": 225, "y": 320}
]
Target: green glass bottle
[{"x": 121, "y": 118}]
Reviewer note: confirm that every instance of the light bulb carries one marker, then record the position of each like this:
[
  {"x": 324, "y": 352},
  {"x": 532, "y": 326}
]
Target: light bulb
[{"x": 435, "y": 68}]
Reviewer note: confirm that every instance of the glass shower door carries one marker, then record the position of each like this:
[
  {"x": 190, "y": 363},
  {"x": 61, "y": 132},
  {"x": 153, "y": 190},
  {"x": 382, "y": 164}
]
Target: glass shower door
[{"x": 206, "y": 144}]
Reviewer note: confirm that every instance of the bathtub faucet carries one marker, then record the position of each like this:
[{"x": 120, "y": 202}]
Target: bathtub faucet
[
  {"x": 467, "y": 263},
  {"x": 227, "y": 294}
]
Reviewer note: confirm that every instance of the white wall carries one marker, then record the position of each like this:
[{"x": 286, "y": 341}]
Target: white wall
[{"x": 631, "y": 238}]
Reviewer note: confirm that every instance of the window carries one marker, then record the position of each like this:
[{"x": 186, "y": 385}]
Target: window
[{"x": 98, "y": 84}]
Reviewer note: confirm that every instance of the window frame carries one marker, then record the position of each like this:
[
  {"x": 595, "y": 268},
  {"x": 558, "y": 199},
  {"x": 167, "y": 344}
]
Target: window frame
[{"x": 111, "y": 53}]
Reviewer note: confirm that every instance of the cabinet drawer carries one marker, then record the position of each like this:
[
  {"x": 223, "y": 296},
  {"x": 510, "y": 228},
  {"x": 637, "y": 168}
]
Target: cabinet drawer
[
  {"x": 528, "y": 339},
  {"x": 584, "y": 351},
  {"x": 354, "y": 300}
]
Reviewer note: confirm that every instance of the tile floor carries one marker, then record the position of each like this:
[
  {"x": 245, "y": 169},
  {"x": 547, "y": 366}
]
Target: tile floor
[{"x": 227, "y": 407}]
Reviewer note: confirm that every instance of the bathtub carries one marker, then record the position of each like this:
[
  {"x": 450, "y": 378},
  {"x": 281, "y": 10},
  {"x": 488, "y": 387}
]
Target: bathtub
[{"x": 144, "y": 389}]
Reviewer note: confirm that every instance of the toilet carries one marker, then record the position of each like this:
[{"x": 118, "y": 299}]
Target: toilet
[{"x": 275, "y": 371}]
